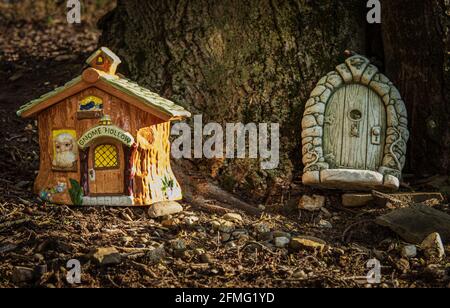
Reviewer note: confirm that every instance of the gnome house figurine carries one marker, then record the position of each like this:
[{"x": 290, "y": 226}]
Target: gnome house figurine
[
  {"x": 354, "y": 130},
  {"x": 104, "y": 140}
]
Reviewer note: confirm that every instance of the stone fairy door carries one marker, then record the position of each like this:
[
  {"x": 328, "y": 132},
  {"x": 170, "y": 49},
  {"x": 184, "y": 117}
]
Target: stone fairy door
[{"x": 354, "y": 130}]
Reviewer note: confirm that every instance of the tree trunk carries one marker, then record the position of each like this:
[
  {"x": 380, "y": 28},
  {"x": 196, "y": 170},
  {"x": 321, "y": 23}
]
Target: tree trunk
[
  {"x": 416, "y": 42},
  {"x": 257, "y": 61}
]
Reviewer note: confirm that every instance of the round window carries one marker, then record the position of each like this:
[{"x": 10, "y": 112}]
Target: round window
[{"x": 355, "y": 115}]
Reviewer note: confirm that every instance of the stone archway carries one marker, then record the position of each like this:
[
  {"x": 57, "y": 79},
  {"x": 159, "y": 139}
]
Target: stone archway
[{"x": 318, "y": 172}]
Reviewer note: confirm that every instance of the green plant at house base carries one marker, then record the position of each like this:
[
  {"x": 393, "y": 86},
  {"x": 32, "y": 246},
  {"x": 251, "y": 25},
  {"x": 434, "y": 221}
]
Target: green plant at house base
[
  {"x": 76, "y": 192},
  {"x": 167, "y": 183}
]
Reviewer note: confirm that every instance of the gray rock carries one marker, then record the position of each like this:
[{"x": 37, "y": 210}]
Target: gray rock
[
  {"x": 306, "y": 242},
  {"x": 226, "y": 227},
  {"x": 281, "y": 242},
  {"x": 433, "y": 247},
  {"x": 262, "y": 228},
  {"x": 22, "y": 274},
  {"x": 191, "y": 220},
  {"x": 164, "y": 208},
  {"x": 156, "y": 255},
  {"x": 409, "y": 251},
  {"x": 106, "y": 256},
  {"x": 178, "y": 245},
  {"x": 233, "y": 217},
  {"x": 325, "y": 224},
  {"x": 311, "y": 203}
]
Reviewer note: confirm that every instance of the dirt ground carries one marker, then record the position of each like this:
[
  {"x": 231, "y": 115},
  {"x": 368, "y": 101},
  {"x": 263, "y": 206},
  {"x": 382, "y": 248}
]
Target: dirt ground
[{"x": 185, "y": 250}]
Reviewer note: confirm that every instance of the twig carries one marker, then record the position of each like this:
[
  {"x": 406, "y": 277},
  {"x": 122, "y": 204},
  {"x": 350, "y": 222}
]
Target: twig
[
  {"x": 8, "y": 224},
  {"x": 352, "y": 225}
]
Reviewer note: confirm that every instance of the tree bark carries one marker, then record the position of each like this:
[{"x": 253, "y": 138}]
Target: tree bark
[
  {"x": 257, "y": 61},
  {"x": 416, "y": 44}
]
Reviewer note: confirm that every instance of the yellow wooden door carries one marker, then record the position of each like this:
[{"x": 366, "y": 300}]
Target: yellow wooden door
[
  {"x": 354, "y": 129},
  {"x": 106, "y": 168}
]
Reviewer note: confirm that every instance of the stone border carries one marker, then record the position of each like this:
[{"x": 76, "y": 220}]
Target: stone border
[{"x": 356, "y": 70}]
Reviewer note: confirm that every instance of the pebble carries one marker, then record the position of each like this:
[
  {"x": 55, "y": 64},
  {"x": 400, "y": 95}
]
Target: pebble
[
  {"x": 225, "y": 237},
  {"x": 106, "y": 256},
  {"x": 215, "y": 225},
  {"x": 262, "y": 228},
  {"x": 169, "y": 223},
  {"x": 300, "y": 274},
  {"x": 156, "y": 255},
  {"x": 325, "y": 224},
  {"x": 164, "y": 208},
  {"x": 281, "y": 242},
  {"x": 226, "y": 227},
  {"x": 178, "y": 245},
  {"x": 409, "y": 251},
  {"x": 233, "y": 217},
  {"x": 191, "y": 220},
  {"x": 308, "y": 242},
  {"x": 311, "y": 203},
  {"x": 433, "y": 247}
]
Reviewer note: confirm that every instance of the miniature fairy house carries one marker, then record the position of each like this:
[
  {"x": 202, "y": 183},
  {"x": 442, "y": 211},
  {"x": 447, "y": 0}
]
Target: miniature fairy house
[
  {"x": 354, "y": 130},
  {"x": 104, "y": 140}
]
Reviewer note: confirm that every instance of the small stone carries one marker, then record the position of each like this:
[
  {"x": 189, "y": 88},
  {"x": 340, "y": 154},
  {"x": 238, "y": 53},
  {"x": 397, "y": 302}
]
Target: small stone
[
  {"x": 308, "y": 242},
  {"x": 300, "y": 274},
  {"x": 169, "y": 223},
  {"x": 433, "y": 247},
  {"x": 215, "y": 225},
  {"x": 225, "y": 237},
  {"x": 106, "y": 256},
  {"x": 164, "y": 208},
  {"x": 233, "y": 217},
  {"x": 230, "y": 245},
  {"x": 191, "y": 220},
  {"x": 156, "y": 255},
  {"x": 325, "y": 224},
  {"x": 226, "y": 227},
  {"x": 409, "y": 251},
  {"x": 403, "y": 265},
  {"x": 262, "y": 228},
  {"x": 178, "y": 245},
  {"x": 281, "y": 242},
  {"x": 311, "y": 203},
  {"x": 22, "y": 274}
]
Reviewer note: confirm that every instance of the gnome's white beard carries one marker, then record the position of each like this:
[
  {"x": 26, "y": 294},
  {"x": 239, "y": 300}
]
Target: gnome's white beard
[{"x": 64, "y": 159}]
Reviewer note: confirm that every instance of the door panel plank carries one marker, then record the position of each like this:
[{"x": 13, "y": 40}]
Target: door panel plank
[
  {"x": 376, "y": 118},
  {"x": 354, "y": 147},
  {"x": 333, "y": 128}
]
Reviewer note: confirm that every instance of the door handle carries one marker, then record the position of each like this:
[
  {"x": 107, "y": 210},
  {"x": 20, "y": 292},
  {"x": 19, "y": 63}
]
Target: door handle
[
  {"x": 92, "y": 175},
  {"x": 376, "y": 135}
]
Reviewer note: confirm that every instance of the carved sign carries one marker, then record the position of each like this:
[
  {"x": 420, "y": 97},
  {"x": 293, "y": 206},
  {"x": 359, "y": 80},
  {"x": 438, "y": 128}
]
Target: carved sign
[{"x": 110, "y": 131}]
